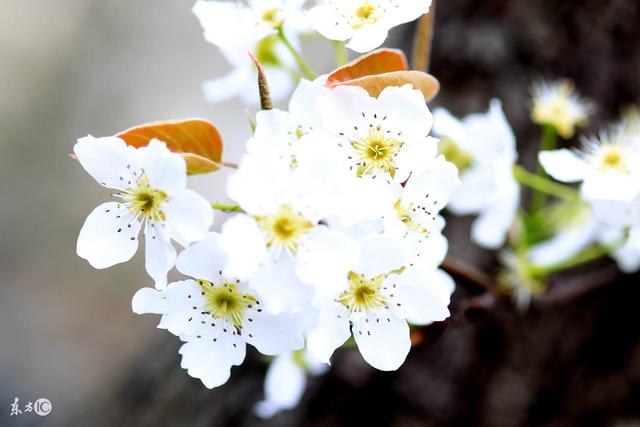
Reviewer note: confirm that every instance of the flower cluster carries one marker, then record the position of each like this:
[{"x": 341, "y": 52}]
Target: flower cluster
[
  {"x": 339, "y": 232},
  {"x": 271, "y": 30},
  {"x": 335, "y": 235}
]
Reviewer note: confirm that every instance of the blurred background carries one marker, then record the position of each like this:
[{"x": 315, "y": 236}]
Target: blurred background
[{"x": 69, "y": 68}]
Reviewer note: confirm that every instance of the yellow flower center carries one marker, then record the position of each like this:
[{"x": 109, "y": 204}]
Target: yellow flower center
[
  {"x": 145, "y": 201},
  {"x": 363, "y": 293},
  {"x": 284, "y": 228},
  {"x": 453, "y": 153},
  {"x": 404, "y": 214},
  {"x": 613, "y": 158},
  {"x": 364, "y": 14},
  {"x": 272, "y": 16},
  {"x": 376, "y": 152},
  {"x": 225, "y": 301}
]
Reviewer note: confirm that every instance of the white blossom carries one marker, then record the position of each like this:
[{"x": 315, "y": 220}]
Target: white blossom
[
  {"x": 382, "y": 141},
  {"x": 415, "y": 214},
  {"x": 365, "y": 23},
  {"x": 216, "y": 315},
  {"x": 608, "y": 166},
  {"x": 286, "y": 382},
  {"x": 237, "y": 28},
  {"x": 150, "y": 196},
  {"x": 283, "y": 206},
  {"x": 483, "y": 148},
  {"x": 558, "y": 105},
  {"x": 375, "y": 296}
]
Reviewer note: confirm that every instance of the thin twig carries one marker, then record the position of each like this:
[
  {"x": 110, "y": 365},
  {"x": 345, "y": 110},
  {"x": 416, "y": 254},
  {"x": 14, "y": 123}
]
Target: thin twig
[
  {"x": 469, "y": 273},
  {"x": 577, "y": 288},
  {"x": 421, "y": 55}
]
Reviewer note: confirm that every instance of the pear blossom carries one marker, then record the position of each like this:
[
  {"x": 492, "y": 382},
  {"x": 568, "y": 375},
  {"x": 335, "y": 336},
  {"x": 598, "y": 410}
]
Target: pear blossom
[
  {"x": 373, "y": 294},
  {"x": 286, "y": 381},
  {"x": 283, "y": 207},
  {"x": 483, "y": 148},
  {"x": 415, "y": 213},
  {"x": 557, "y": 104},
  {"x": 216, "y": 315},
  {"x": 150, "y": 196},
  {"x": 608, "y": 165},
  {"x": 365, "y": 23},
  {"x": 381, "y": 142},
  {"x": 237, "y": 28}
]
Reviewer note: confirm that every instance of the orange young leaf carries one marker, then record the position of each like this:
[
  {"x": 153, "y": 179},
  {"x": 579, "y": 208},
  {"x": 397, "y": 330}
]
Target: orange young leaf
[
  {"x": 197, "y": 140},
  {"x": 380, "y": 69}
]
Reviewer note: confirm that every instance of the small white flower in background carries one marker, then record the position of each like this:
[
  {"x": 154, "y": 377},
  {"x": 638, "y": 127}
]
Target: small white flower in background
[
  {"x": 619, "y": 228},
  {"x": 151, "y": 196},
  {"x": 238, "y": 28},
  {"x": 286, "y": 382},
  {"x": 415, "y": 213},
  {"x": 382, "y": 141},
  {"x": 558, "y": 105},
  {"x": 216, "y": 315},
  {"x": 376, "y": 295},
  {"x": 365, "y": 23},
  {"x": 483, "y": 147},
  {"x": 516, "y": 277},
  {"x": 608, "y": 166}
]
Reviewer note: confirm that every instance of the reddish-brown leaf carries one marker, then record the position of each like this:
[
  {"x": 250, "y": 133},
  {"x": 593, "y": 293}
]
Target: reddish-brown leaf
[
  {"x": 381, "y": 68},
  {"x": 197, "y": 140}
]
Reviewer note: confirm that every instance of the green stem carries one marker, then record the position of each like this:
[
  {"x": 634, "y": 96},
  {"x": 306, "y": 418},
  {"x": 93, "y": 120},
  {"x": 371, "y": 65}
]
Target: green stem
[
  {"x": 342, "y": 57},
  {"x": 592, "y": 253},
  {"x": 549, "y": 142},
  {"x": 306, "y": 70},
  {"x": 226, "y": 207},
  {"x": 544, "y": 185}
]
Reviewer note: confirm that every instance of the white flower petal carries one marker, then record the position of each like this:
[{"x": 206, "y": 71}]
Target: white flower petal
[
  {"x": 325, "y": 259},
  {"x": 203, "y": 260},
  {"x": 243, "y": 241},
  {"x": 224, "y": 88},
  {"x": 271, "y": 334},
  {"x": 327, "y": 21},
  {"x": 563, "y": 245},
  {"x": 330, "y": 333},
  {"x": 383, "y": 340},
  {"x": 189, "y": 216},
  {"x": 343, "y": 108},
  {"x": 563, "y": 165},
  {"x": 210, "y": 361},
  {"x": 279, "y": 288},
  {"x": 166, "y": 171},
  {"x": 160, "y": 255},
  {"x": 490, "y": 229},
  {"x": 284, "y": 385},
  {"x": 304, "y": 101},
  {"x": 420, "y": 296},
  {"x": 175, "y": 304},
  {"x": 368, "y": 37},
  {"x": 108, "y": 160},
  {"x": 380, "y": 254},
  {"x": 109, "y": 236}
]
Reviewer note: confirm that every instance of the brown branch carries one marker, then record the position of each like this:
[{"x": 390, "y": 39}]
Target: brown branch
[
  {"x": 470, "y": 274},
  {"x": 577, "y": 287},
  {"x": 421, "y": 55}
]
